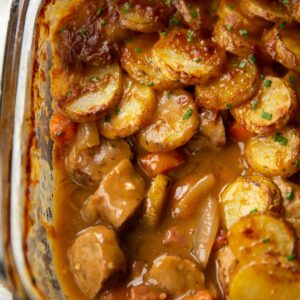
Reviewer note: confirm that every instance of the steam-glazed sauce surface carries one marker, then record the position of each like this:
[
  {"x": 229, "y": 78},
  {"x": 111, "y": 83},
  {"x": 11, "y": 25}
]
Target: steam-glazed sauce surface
[{"x": 176, "y": 149}]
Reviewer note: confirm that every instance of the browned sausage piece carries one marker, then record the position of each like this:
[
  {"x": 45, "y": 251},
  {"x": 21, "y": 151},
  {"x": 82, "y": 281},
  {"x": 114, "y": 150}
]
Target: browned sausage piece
[
  {"x": 94, "y": 258},
  {"x": 119, "y": 195}
]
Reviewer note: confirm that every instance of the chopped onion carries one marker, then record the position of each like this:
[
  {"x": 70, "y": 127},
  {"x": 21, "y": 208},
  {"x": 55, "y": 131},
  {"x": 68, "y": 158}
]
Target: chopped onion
[
  {"x": 87, "y": 136},
  {"x": 206, "y": 231}
]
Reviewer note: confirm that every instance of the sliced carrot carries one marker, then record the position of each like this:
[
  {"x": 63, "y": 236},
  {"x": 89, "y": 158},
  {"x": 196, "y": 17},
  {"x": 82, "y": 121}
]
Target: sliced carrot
[
  {"x": 159, "y": 163},
  {"x": 202, "y": 295},
  {"x": 62, "y": 130},
  {"x": 238, "y": 132}
]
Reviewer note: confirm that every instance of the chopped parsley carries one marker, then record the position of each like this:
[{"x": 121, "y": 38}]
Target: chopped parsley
[
  {"x": 150, "y": 84},
  {"x": 138, "y": 50},
  {"x": 266, "y": 240},
  {"x": 107, "y": 118},
  {"x": 229, "y": 106},
  {"x": 188, "y": 114},
  {"x": 243, "y": 64},
  {"x": 266, "y": 115},
  {"x": 254, "y": 104},
  {"x": 282, "y": 25},
  {"x": 117, "y": 111},
  {"x": 285, "y": 2},
  {"x": 194, "y": 13},
  {"x": 280, "y": 139},
  {"x": 253, "y": 211},
  {"x": 197, "y": 59},
  {"x": 163, "y": 33},
  {"x": 126, "y": 8},
  {"x": 297, "y": 164},
  {"x": 291, "y": 257},
  {"x": 292, "y": 79},
  {"x": 230, "y": 6},
  {"x": 84, "y": 32},
  {"x": 228, "y": 27},
  {"x": 95, "y": 78},
  {"x": 103, "y": 23},
  {"x": 244, "y": 32},
  {"x": 290, "y": 196},
  {"x": 174, "y": 20},
  {"x": 267, "y": 82},
  {"x": 252, "y": 58},
  {"x": 190, "y": 36},
  {"x": 99, "y": 11}
]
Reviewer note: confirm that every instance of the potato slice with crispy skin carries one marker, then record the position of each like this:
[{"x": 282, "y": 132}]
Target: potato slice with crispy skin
[
  {"x": 247, "y": 194},
  {"x": 133, "y": 112},
  {"x": 268, "y": 10},
  {"x": 255, "y": 236},
  {"x": 182, "y": 55},
  {"x": 238, "y": 83},
  {"x": 270, "y": 109},
  {"x": 261, "y": 281},
  {"x": 137, "y": 60},
  {"x": 144, "y": 15},
  {"x": 238, "y": 42},
  {"x": 176, "y": 120},
  {"x": 230, "y": 12},
  {"x": 276, "y": 154},
  {"x": 88, "y": 96},
  {"x": 283, "y": 46}
]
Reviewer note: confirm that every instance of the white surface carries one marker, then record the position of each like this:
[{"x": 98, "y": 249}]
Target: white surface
[
  {"x": 4, "y": 18},
  {"x": 4, "y": 294}
]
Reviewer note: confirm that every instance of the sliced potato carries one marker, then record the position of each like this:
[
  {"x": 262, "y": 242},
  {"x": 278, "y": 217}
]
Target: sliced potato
[
  {"x": 238, "y": 42},
  {"x": 194, "y": 14},
  {"x": 261, "y": 281},
  {"x": 174, "y": 123},
  {"x": 137, "y": 60},
  {"x": 227, "y": 264},
  {"x": 294, "y": 7},
  {"x": 89, "y": 96},
  {"x": 239, "y": 82},
  {"x": 272, "y": 107},
  {"x": 231, "y": 13},
  {"x": 247, "y": 194},
  {"x": 255, "y": 236},
  {"x": 144, "y": 15},
  {"x": 182, "y": 55},
  {"x": 283, "y": 46},
  {"x": 275, "y": 154},
  {"x": 268, "y": 10},
  {"x": 175, "y": 276},
  {"x": 155, "y": 201},
  {"x": 135, "y": 110}
]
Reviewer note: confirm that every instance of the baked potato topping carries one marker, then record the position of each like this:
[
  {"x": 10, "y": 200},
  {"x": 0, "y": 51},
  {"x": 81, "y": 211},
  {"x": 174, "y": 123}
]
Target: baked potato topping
[{"x": 176, "y": 148}]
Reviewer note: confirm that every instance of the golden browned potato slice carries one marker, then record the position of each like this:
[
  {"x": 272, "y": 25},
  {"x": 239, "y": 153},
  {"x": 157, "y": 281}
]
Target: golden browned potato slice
[
  {"x": 255, "y": 236},
  {"x": 237, "y": 41},
  {"x": 144, "y": 15},
  {"x": 283, "y": 46},
  {"x": 270, "y": 109},
  {"x": 231, "y": 13},
  {"x": 239, "y": 82},
  {"x": 182, "y": 55},
  {"x": 194, "y": 14},
  {"x": 268, "y": 10},
  {"x": 117, "y": 198},
  {"x": 135, "y": 110},
  {"x": 87, "y": 166},
  {"x": 88, "y": 96},
  {"x": 156, "y": 200},
  {"x": 294, "y": 8},
  {"x": 246, "y": 195},
  {"x": 227, "y": 264},
  {"x": 275, "y": 154},
  {"x": 175, "y": 121},
  {"x": 95, "y": 257},
  {"x": 261, "y": 281},
  {"x": 175, "y": 276},
  {"x": 137, "y": 60}
]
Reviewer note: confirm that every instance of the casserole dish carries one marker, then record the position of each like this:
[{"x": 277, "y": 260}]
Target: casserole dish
[{"x": 155, "y": 150}]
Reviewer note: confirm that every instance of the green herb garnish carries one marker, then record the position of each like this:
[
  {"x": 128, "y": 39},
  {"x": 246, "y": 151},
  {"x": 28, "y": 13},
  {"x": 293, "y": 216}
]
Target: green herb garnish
[
  {"x": 266, "y": 115},
  {"x": 188, "y": 114}
]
